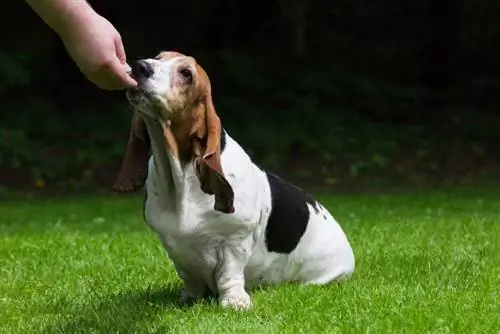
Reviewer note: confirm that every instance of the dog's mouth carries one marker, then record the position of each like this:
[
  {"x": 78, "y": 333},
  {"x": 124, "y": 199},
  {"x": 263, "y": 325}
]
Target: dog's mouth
[
  {"x": 146, "y": 102},
  {"x": 137, "y": 95}
]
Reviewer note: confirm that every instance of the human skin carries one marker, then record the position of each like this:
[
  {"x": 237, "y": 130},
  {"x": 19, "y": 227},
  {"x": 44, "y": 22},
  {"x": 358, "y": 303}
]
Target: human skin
[{"x": 91, "y": 41}]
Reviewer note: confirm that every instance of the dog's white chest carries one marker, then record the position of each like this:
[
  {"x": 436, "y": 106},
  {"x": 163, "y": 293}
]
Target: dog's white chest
[{"x": 193, "y": 232}]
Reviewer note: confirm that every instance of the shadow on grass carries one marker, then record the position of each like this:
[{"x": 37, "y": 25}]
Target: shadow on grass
[{"x": 125, "y": 312}]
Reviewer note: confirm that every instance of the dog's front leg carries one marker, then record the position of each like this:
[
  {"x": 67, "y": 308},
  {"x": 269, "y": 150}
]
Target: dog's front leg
[
  {"x": 232, "y": 258},
  {"x": 194, "y": 287}
]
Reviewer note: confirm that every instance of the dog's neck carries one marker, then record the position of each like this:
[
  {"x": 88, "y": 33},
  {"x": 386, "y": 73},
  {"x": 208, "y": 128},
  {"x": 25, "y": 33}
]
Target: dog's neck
[
  {"x": 169, "y": 168},
  {"x": 172, "y": 150},
  {"x": 178, "y": 143}
]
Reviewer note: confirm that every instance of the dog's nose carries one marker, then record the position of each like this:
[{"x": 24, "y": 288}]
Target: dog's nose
[{"x": 141, "y": 69}]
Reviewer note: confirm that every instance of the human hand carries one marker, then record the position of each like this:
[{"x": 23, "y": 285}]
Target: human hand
[{"x": 96, "y": 48}]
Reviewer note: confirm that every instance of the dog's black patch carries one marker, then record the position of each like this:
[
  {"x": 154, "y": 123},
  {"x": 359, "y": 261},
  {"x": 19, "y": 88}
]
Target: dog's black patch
[
  {"x": 289, "y": 214},
  {"x": 312, "y": 202}
]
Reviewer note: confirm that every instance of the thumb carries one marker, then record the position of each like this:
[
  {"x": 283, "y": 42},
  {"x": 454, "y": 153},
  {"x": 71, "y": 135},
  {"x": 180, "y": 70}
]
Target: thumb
[{"x": 120, "y": 73}]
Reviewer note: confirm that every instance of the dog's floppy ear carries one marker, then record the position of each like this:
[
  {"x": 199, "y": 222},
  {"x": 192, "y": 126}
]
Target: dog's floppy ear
[
  {"x": 206, "y": 134},
  {"x": 134, "y": 169}
]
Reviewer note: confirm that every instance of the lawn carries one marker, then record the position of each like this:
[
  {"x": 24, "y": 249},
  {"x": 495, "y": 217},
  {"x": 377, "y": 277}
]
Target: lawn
[{"x": 427, "y": 262}]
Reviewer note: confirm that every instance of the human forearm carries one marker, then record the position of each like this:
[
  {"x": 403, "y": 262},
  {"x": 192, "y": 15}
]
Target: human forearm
[
  {"x": 62, "y": 15},
  {"x": 91, "y": 41}
]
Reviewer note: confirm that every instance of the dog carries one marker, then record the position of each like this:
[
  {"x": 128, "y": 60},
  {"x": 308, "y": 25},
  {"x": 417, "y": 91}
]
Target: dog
[{"x": 227, "y": 225}]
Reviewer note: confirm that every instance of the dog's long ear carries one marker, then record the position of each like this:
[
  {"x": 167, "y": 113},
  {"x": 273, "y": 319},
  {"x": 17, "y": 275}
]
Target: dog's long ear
[
  {"x": 206, "y": 134},
  {"x": 134, "y": 169}
]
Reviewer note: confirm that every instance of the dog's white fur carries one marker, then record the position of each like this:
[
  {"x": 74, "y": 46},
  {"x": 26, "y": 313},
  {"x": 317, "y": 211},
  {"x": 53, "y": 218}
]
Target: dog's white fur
[{"x": 227, "y": 252}]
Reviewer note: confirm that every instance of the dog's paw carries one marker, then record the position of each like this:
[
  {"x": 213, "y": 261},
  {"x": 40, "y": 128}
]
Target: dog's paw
[{"x": 236, "y": 300}]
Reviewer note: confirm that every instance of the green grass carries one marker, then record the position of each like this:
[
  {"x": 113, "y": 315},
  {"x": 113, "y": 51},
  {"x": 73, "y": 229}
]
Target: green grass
[{"x": 426, "y": 263}]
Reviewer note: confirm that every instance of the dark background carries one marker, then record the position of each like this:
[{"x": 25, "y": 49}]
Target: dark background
[{"x": 339, "y": 94}]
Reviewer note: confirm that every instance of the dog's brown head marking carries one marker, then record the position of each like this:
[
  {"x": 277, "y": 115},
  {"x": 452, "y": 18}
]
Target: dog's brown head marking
[{"x": 174, "y": 90}]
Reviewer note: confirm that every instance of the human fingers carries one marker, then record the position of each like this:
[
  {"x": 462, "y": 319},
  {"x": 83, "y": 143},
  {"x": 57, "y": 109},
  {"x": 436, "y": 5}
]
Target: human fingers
[
  {"x": 112, "y": 76},
  {"x": 123, "y": 71},
  {"x": 120, "y": 49},
  {"x": 120, "y": 75}
]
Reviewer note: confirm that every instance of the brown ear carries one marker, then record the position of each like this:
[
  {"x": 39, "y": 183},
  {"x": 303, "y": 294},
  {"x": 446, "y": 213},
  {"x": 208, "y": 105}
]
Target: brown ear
[
  {"x": 134, "y": 168},
  {"x": 206, "y": 147}
]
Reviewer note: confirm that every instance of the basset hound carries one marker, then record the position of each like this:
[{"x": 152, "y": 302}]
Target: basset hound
[{"x": 227, "y": 224}]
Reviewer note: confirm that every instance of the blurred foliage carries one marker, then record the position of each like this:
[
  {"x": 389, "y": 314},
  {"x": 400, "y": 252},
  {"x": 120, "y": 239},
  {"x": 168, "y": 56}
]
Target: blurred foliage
[{"x": 321, "y": 89}]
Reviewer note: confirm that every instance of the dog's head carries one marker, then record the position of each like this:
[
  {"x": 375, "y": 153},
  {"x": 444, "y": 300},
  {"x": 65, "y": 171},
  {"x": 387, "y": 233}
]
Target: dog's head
[{"x": 174, "y": 91}]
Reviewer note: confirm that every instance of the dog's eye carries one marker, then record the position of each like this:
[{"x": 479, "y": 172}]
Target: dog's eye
[{"x": 186, "y": 74}]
